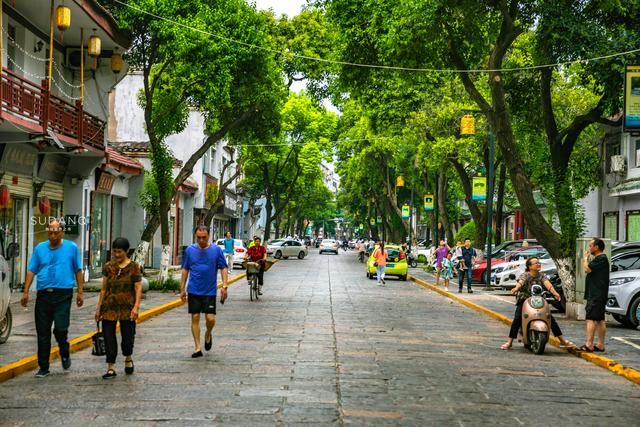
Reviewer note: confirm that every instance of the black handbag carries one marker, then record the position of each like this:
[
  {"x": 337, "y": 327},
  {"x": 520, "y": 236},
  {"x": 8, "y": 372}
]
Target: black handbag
[{"x": 99, "y": 348}]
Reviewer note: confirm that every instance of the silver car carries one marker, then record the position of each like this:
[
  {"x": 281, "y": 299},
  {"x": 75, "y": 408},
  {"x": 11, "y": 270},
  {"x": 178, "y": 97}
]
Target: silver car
[
  {"x": 5, "y": 299},
  {"x": 329, "y": 245},
  {"x": 286, "y": 248},
  {"x": 624, "y": 297}
]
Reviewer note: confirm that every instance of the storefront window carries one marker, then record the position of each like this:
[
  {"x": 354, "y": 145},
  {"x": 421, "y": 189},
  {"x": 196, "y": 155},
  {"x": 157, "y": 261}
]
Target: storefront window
[{"x": 99, "y": 240}]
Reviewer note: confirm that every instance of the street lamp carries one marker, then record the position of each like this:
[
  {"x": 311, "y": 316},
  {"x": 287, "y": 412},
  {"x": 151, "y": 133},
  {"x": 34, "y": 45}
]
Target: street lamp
[{"x": 468, "y": 128}]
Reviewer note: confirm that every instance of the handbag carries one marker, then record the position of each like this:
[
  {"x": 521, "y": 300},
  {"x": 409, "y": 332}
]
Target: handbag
[
  {"x": 99, "y": 348},
  {"x": 375, "y": 264}
]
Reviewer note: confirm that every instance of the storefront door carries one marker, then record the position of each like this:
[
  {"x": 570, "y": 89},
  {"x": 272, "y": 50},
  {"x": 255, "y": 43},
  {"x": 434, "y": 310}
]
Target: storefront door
[
  {"x": 14, "y": 225},
  {"x": 99, "y": 239}
]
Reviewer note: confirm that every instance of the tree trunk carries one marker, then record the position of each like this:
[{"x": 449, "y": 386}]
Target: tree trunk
[
  {"x": 500, "y": 202},
  {"x": 442, "y": 206},
  {"x": 267, "y": 226}
]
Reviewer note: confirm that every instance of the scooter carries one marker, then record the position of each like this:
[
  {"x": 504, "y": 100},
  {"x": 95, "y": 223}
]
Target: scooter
[
  {"x": 536, "y": 320},
  {"x": 411, "y": 260}
]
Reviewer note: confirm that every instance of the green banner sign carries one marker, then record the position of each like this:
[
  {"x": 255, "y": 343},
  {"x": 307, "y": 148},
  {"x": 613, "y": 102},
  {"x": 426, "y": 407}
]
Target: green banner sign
[
  {"x": 428, "y": 202},
  {"x": 479, "y": 192},
  {"x": 406, "y": 212}
]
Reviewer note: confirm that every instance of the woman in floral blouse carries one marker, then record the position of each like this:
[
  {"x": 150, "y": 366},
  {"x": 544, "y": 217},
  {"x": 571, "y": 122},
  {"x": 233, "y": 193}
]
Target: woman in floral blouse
[{"x": 119, "y": 302}]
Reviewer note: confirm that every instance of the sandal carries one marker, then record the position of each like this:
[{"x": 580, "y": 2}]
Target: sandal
[
  {"x": 586, "y": 349},
  {"x": 568, "y": 344},
  {"x": 598, "y": 349},
  {"x": 506, "y": 346},
  {"x": 128, "y": 367},
  {"x": 110, "y": 374}
]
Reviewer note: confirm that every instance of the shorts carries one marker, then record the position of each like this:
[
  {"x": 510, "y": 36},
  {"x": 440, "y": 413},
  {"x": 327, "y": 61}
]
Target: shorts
[
  {"x": 595, "y": 310},
  {"x": 201, "y": 304}
]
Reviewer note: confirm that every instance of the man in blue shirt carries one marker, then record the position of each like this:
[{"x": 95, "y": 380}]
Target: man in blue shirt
[
  {"x": 201, "y": 263},
  {"x": 58, "y": 265},
  {"x": 228, "y": 250}
]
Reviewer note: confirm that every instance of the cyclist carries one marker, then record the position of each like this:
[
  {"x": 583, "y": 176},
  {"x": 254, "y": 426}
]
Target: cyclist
[{"x": 258, "y": 253}]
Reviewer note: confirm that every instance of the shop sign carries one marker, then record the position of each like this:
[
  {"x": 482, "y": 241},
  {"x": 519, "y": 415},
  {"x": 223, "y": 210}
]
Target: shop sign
[
  {"x": 632, "y": 98},
  {"x": 379, "y": 220},
  {"x": 479, "y": 192},
  {"x": 406, "y": 212},
  {"x": 53, "y": 167},
  {"x": 18, "y": 158},
  {"x": 428, "y": 202},
  {"x": 72, "y": 224},
  {"x": 105, "y": 183}
]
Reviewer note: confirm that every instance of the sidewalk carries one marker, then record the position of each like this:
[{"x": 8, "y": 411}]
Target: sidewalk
[
  {"x": 22, "y": 342},
  {"x": 622, "y": 344}
]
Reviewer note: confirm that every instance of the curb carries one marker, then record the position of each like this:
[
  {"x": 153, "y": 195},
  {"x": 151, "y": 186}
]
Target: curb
[
  {"x": 29, "y": 363},
  {"x": 604, "y": 362}
]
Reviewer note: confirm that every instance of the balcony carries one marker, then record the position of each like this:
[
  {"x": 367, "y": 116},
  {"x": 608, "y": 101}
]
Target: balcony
[{"x": 31, "y": 106}]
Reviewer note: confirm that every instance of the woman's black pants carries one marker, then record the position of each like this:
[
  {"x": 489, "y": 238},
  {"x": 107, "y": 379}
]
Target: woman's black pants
[
  {"x": 517, "y": 323},
  {"x": 128, "y": 334}
]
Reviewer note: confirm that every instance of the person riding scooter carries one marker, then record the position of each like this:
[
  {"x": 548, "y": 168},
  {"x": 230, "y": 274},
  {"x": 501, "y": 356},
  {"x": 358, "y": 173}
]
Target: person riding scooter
[{"x": 530, "y": 277}]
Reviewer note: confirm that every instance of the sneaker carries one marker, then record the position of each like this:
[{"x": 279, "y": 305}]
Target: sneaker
[
  {"x": 470, "y": 291},
  {"x": 259, "y": 290},
  {"x": 66, "y": 363},
  {"x": 383, "y": 282},
  {"x": 459, "y": 291},
  {"x": 42, "y": 373}
]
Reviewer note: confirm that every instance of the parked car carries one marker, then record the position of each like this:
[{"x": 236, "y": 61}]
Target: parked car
[
  {"x": 285, "y": 248},
  {"x": 502, "y": 255},
  {"x": 624, "y": 297},
  {"x": 505, "y": 274},
  {"x": 6, "y": 319},
  {"x": 396, "y": 263},
  {"x": 625, "y": 260},
  {"x": 329, "y": 245},
  {"x": 239, "y": 251}
]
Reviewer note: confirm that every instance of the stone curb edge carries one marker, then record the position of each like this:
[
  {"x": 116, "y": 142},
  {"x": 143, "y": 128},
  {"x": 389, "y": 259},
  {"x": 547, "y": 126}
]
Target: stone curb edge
[
  {"x": 29, "y": 363},
  {"x": 604, "y": 362}
]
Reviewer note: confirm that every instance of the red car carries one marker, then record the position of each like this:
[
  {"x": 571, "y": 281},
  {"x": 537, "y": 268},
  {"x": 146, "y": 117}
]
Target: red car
[{"x": 480, "y": 267}]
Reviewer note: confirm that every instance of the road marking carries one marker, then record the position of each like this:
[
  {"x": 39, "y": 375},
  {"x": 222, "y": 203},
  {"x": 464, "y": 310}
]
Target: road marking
[{"x": 626, "y": 342}]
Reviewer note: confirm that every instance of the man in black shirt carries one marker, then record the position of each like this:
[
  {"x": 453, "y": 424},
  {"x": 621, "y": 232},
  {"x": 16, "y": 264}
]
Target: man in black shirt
[{"x": 596, "y": 292}]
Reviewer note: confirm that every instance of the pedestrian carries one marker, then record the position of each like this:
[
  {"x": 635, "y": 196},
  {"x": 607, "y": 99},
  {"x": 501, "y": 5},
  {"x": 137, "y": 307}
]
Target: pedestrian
[
  {"x": 596, "y": 292},
  {"x": 447, "y": 270},
  {"x": 380, "y": 262},
  {"x": 200, "y": 266},
  {"x": 228, "y": 250},
  {"x": 119, "y": 301},
  {"x": 58, "y": 265},
  {"x": 441, "y": 253},
  {"x": 258, "y": 253},
  {"x": 468, "y": 258},
  {"x": 532, "y": 276}
]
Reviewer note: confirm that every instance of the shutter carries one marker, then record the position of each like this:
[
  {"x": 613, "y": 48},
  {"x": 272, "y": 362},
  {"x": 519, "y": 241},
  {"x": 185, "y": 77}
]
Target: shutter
[
  {"x": 24, "y": 187},
  {"x": 54, "y": 190}
]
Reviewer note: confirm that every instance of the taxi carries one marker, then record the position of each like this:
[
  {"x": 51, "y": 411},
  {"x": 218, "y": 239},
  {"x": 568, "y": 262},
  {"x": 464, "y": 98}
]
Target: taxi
[{"x": 396, "y": 263}]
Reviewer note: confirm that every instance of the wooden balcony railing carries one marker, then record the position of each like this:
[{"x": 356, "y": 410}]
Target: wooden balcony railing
[{"x": 34, "y": 105}]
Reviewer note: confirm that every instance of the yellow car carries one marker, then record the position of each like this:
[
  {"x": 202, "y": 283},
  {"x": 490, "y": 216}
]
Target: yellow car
[{"x": 396, "y": 263}]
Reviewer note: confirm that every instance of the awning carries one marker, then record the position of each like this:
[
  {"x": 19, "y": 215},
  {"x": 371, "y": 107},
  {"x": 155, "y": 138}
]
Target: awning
[
  {"x": 121, "y": 163},
  {"x": 188, "y": 186}
]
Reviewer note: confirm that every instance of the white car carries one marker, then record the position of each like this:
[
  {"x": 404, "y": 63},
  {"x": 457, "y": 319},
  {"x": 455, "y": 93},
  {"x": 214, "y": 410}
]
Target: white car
[
  {"x": 504, "y": 275},
  {"x": 285, "y": 248},
  {"x": 329, "y": 245},
  {"x": 239, "y": 250},
  {"x": 623, "y": 301}
]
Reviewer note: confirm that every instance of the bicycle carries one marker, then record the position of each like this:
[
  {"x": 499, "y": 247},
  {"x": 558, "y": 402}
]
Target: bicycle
[{"x": 253, "y": 268}]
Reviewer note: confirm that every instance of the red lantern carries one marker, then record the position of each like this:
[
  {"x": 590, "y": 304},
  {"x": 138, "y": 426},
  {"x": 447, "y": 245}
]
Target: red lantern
[
  {"x": 5, "y": 196},
  {"x": 44, "y": 205}
]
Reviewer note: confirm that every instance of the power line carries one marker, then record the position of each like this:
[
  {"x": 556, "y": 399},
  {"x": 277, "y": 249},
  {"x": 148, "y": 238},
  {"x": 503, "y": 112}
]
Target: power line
[{"x": 374, "y": 66}]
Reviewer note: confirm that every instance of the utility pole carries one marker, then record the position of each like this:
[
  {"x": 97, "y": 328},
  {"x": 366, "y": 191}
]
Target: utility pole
[{"x": 490, "y": 183}]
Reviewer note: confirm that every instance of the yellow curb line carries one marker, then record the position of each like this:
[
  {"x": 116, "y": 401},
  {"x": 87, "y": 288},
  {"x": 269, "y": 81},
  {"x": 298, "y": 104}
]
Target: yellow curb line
[
  {"x": 604, "y": 362},
  {"x": 31, "y": 362}
]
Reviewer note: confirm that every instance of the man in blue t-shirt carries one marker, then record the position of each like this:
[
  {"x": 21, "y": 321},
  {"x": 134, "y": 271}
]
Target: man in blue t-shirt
[
  {"x": 201, "y": 263},
  {"x": 228, "y": 250},
  {"x": 58, "y": 265}
]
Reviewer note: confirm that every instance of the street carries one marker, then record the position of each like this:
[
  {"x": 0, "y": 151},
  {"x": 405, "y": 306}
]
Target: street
[{"x": 325, "y": 345}]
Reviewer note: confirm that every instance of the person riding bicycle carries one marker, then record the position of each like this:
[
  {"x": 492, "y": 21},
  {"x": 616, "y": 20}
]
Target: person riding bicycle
[{"x": 258, "y": 253}]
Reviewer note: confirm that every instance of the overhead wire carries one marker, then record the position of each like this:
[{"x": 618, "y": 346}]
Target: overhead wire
[{"x": 377, "y": 66}]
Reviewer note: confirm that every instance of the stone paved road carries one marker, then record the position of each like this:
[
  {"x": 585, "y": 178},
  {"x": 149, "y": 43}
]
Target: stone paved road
[{"x": 326, "y": 346}]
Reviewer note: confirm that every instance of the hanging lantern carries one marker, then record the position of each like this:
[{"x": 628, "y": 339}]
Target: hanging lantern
[
  {"x": 400, "y": 181},
  {"x": 63, "y": 20},
  {"x": 5, "y": 196},
  {"x": 44, "y": 205},
  {"x": 467, "y": 125},
  {"x": 93, "y": 48},
  {"x": 116, "y": 62}
]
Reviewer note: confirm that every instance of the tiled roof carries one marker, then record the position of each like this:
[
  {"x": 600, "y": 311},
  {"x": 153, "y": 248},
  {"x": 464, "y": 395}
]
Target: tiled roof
[{"x": 122, "y": 163}]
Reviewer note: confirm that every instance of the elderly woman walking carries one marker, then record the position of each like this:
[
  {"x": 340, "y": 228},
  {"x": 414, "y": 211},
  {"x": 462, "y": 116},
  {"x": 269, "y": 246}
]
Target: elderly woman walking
[{"x": 119, "y": 302}]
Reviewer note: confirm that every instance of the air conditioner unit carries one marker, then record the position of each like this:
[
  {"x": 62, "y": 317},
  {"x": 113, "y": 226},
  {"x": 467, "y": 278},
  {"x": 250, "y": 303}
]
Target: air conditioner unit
[
  {"x": 617, "y": 164},
  {"x": 72, "y": 58}
]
